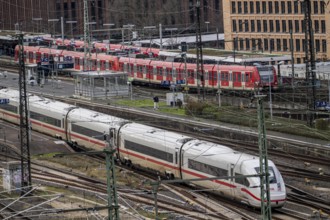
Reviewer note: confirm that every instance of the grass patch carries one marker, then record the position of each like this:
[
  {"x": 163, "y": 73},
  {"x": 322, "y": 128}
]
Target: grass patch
[{"x": 235, "y": 115}]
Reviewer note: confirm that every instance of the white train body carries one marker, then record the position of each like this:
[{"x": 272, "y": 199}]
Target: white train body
[{"x": 168, "y": 153}]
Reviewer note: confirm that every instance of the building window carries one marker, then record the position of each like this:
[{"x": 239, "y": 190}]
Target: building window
[
  {"x": 285, "y": 44},
  {"x": 302, "y": 7},
  {"x": 316, "y": 7},
  {"x": 290, "y": 25},
  {"x": 233, "y": 7},
  {"x": 277, "y": 7},
  {"x": 246, "y": 25},
  {"x": 251, "y": 7},
  {"x": 278, "y": 28},
  {"x": 295, "y": 5},
  {"x": 282, "y": 7},
  {"x": 270, "y": 7},
  {"x": 298, "y": 61},
  {"x": 253, "y": 42},
  {"x": 296, "y": 26},
  {"x": 289, "y": 7},
  {"x": 323, "y": 28},
  {"x": 278, "y": 44},
  {"x": 272, "y": 45},
  {"x": 258, "y": 26},
  {"x": 234, "y": 26},
  {"x": 303, "y": 26},
  {"x": 252, "y": 26},
  {"x": 265, "y": 44},
  {"x": 316, "y": 26},
  {"x": 259, "y": 44},
  {"x": 264, "y": 8},
  {"x": 317, "y": 45},
  {"x": 240, "y": 26},
  {"x": 241, "y": 44},
  {"x": 247, "y": 43},
  {"x": 265, "y": 22},
  {"x": 324, "y": 46},
  {"x": 271, "y": 26},
  {"x": 283, "y": 26},
  {"x": 246, "y": 8},
  {"x": 298, "y": 45},
  {"x": 258, "y": 7},
  {"x": 304, "y": 45},
  {"x": 239, "y": 7},
  {"x": 322, "y": 9}
]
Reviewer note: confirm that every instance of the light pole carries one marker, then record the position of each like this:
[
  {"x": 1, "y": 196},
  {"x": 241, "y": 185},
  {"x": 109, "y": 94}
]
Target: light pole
[
  {"x": 38, "y": 20},
  {"x": 53, "y": 20},
  {"x": 207, "y": 26},
  {"x": 71, "y": 23},
  {"x": 109, "y": 25},
  {"x": 270, "y": 98},
  {"x": 149, "y": 28},
  {"x": 171, "y": 29}
]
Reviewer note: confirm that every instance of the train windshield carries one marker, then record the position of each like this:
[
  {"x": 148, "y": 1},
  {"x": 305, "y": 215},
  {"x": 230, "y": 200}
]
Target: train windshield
[
  {"x": 272, "y": 177},
  {"x": 266, "y": 74}
]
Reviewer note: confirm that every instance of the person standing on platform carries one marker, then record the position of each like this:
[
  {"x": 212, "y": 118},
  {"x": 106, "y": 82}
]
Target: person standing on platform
[{"x": 156, "y": 100}]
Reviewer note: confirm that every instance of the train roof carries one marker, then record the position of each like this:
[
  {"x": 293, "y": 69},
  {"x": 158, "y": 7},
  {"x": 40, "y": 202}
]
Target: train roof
[{"x": 193, "y": 147}]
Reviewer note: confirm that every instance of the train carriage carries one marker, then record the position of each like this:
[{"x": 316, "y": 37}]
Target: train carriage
[{"x": 167, "y": 153}]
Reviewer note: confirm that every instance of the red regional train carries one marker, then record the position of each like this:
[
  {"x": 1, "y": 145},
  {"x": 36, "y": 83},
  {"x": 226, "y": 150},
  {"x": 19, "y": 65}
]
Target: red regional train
[{"x": 163, "y": 73}]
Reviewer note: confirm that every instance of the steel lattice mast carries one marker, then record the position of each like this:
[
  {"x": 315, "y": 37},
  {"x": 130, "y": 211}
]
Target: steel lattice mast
[
  {"x": 199, "y": 52},
  {"x": 309, "y": 60},
  {"x": 87, "y": 40},
  {"x": 266, "y": 212},
  {"x": 24, "y": 122}
]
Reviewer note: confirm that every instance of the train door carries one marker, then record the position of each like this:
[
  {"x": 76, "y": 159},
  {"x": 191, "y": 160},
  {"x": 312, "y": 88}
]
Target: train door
[
  {"x": 107, "y": 62},
  {"x": 168, "y": 74},
  {"x": 248, "y": 80},
  {"x": 212, "y": 79},
  {"x": 76, "y": 63},
  {"x": 224, "y": 79},
  {"x": 31, "y": 55},
  {"x": 139, "y": 71},
  {"x": 102, "y": 65},
  {"x": 150, "y": 72},
  {"x": 160, "y": 73},
  {"x": 237, "y": 80},
  {"x": 191, "y": 76}
]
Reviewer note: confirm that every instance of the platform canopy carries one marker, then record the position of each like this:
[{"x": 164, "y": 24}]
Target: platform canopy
[{"x": 100, "y": 84}]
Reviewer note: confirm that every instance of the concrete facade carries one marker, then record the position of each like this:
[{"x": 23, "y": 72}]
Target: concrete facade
[{"x": 264, "y": 26}]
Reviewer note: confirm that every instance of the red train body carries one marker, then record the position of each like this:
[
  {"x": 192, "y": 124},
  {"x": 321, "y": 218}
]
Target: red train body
[{"x": 155, "y": 72}]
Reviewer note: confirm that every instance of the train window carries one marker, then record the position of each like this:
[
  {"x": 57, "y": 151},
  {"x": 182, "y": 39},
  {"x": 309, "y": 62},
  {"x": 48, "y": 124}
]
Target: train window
[
  {"x": 87, "y": 132},
  {"x": 241, "y": 180},
  {"x": 9, "y": 108},
  {"x": 247, "y": 77},
  {"x": 45, "y": 118},
  {"x": 206, "y": 168},
  {"x": 174, "y": 72},
  {"x": 107, "y": 65},
  {"x": 160, "y": 71},
  {"x": 135, "y": 68},
  {"x": 191, "y": 73},
  {"x": 149, "y": 151},
  {"x": 272, "y": 177},
  {"x": 224, "y": 76}
]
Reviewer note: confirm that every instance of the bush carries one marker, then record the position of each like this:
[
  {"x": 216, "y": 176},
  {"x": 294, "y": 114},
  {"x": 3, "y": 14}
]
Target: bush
[
  {"x": 194, "y": 107},
  {"x": 321, "y": 124}
]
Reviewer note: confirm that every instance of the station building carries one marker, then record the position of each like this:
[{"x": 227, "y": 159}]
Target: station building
[{"x": 265, "y": 26}]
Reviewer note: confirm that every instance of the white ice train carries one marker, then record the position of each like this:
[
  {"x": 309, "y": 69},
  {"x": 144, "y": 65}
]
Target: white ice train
[{"x": 172, "y": 154}]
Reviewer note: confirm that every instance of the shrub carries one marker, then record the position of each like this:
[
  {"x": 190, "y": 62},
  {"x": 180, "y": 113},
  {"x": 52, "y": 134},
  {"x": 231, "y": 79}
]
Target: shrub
[
  {"x": 194, "y": 107},
  {"x": 321, "y": 124}
]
